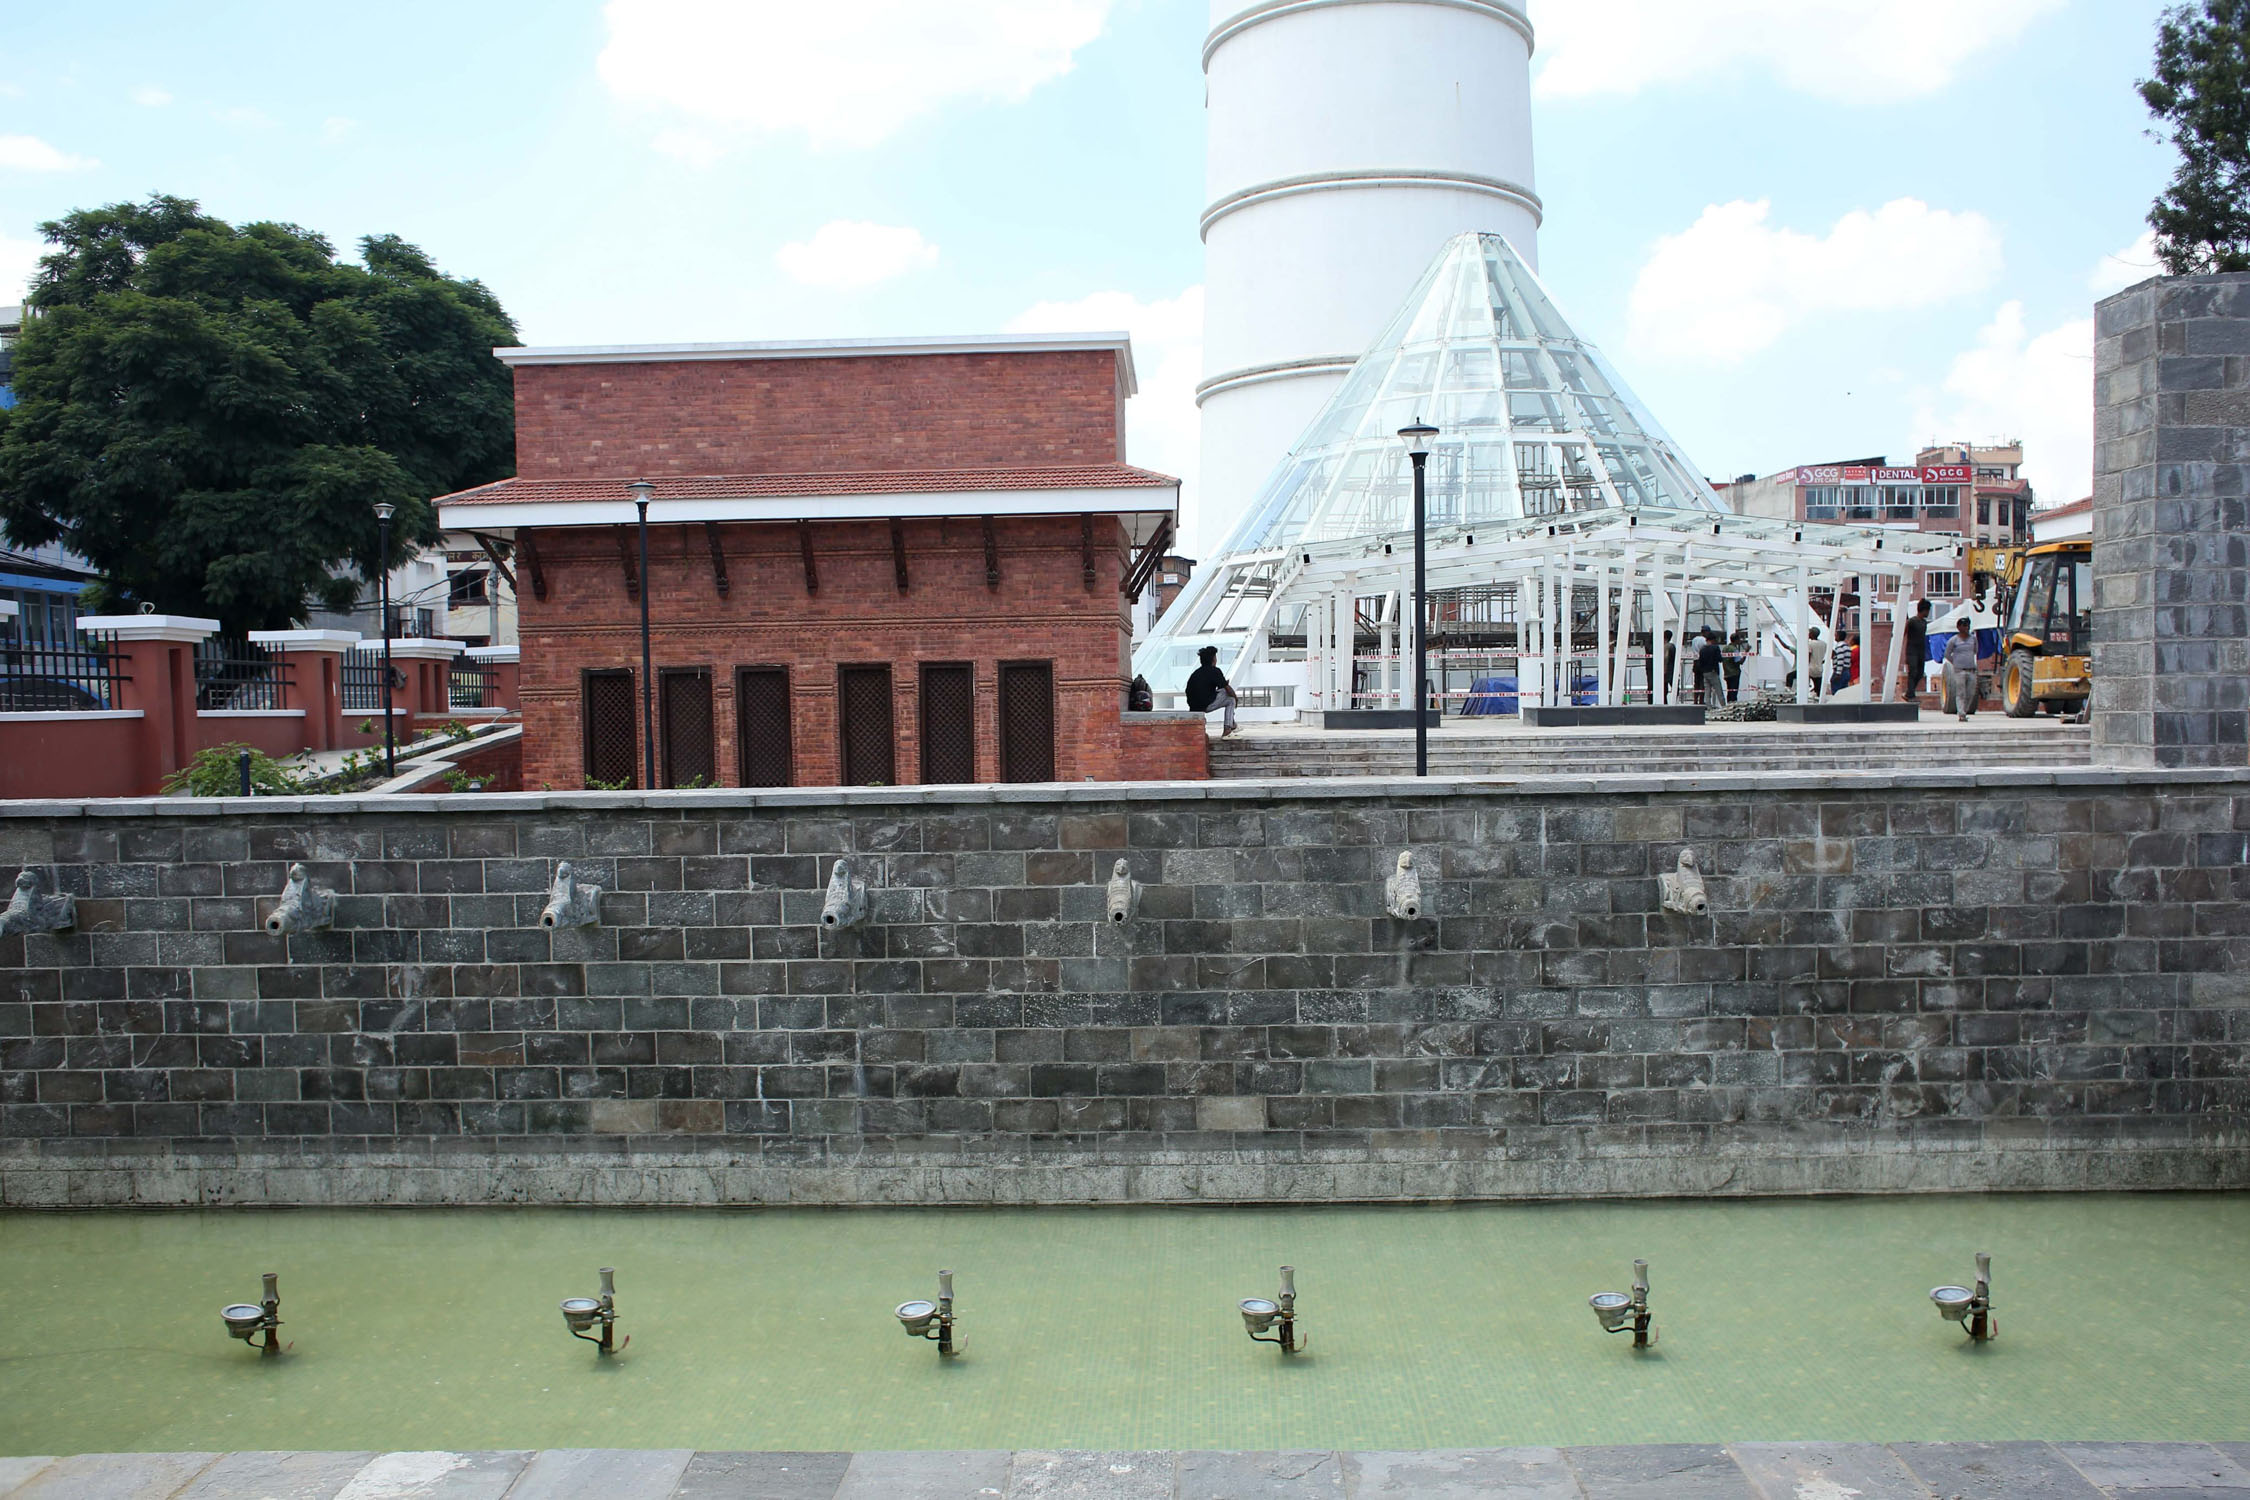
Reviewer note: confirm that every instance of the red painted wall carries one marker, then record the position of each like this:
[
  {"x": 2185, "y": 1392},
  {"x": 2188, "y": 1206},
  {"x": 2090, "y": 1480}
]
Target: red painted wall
[
  {"x": 73, "y": 757},
  {"x": 819, "y": 416}
]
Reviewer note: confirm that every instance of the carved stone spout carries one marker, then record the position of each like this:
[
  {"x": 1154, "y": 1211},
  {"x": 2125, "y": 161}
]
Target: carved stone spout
[
  {"x": 302, "y": 907},
  {"x": 570, "y": 904},
  {"x": 1402, "y": 892},
  {"x": 1682, "y": 889},
  {"x": 34, "y": 908},
  {"x": 1124, "y": 893},
  {"x": 847, "y": 898}
]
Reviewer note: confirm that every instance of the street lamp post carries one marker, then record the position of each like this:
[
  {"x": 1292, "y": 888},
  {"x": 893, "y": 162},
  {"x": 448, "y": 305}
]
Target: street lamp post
[
  {"x": 642, "y": 490},
  {"x": 383, "y": 514},
  {"x": 1417, "y": 439}
]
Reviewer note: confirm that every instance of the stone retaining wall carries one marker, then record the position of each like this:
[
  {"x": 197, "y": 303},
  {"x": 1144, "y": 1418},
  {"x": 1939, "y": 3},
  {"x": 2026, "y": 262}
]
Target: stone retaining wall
[{"x": 1922, "y": 982}]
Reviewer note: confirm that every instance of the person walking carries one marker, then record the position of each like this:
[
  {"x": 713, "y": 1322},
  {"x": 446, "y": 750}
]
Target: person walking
[
  {"x": 1707, "y": 667},
  {"x": 1816, "y": 662},
  {"x": 1737, "y": 652},
  {"x": 1961, "y": 670},
  {"x": 1208, "y": 688},
  {"x": 1917, "y": 652}
]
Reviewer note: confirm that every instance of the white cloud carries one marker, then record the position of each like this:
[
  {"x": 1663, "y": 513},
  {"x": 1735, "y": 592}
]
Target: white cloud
[
  {"x": 848, "y": 73},
  {"x": 151, "y": 98},
  {"x": 1733, "y": 283},
  {"x": 690, "y": 146},
  {"x": 28, "y": 153},
  {"x": 2135, "y": 263},
  {"x": 1163, "y": 429},
  {"x": 1857, "y": 51},
  {"x": 18, "y": 260},
  {"x": 847, "y": 254},
  {"x": 2040, "y": 388},
  {"x": 245, "y": 115}
]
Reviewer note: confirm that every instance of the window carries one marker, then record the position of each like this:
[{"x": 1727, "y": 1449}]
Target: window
[
  {"x": 683, "y": 696},
  {"x": 863, "y": 711},
  {"x": 1942, "y": 585},
  {"x": 949, "y": 723},
  {"x": 761, "y": 725},
  {"x": 610, "y": 721},
  {"x": 1942, "y": 500},
  {"x": 466, "y": 588},
  {"x": 1027, "y": 721},
  {"x": 1984, "y": 510}
]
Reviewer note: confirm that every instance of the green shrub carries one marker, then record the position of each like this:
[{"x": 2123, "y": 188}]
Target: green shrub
[{"x": 217, "y": 772}]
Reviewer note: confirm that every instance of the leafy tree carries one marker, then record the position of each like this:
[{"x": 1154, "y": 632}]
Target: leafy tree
[
  {"x": 209, "y": 413},
  {"x": 2201, "y": 93}
]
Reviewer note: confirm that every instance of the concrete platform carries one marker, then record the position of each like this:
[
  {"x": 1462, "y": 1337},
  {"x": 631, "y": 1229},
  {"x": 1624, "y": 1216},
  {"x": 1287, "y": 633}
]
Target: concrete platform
[
  {"x": 1377, "y": 718},
  {"x": 1848, "y": 713},
  {"x": 1621, "y": 716},
  {"x": 1740, "y": 1471}
]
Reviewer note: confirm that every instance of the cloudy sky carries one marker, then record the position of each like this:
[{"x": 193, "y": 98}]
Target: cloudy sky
[{"x": 1805, "y": 229}]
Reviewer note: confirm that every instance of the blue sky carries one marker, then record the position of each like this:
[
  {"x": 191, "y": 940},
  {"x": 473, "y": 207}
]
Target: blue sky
[{"x": 1805, "y": 229}]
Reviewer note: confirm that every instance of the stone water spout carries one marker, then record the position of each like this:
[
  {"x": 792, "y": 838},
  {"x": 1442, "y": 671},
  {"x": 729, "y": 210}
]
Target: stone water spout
[
  {"x": 847, "y": 898},
  {"x": 1682, "y": 889},
  {"x": 1402, "y": 891},
  {"x": 1124, "y": 893},
  {"x": 303, "y": 907},
  {"x": 34, "y": 908},
  {"x": 570, "y": 904}
]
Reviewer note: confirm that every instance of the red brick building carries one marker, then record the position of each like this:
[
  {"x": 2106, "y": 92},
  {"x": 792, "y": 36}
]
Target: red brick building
[{"x": 900, "y": 562}]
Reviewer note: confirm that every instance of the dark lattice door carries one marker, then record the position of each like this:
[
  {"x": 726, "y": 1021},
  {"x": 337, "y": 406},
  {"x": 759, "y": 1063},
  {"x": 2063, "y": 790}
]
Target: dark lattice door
[
  {"x": 863, "y": 705},
  {"x": 1027, "y": 721},
  {"x": 761, "y": 718},
  {"x": 949, "y": 723},
  {"x": 684, "y": 704},
  {"x": 611, "y": 734}
]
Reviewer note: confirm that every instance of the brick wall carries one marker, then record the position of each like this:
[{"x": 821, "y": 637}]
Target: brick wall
[
  {"x": 819, "y": 416},
  {"x": 1935, "y": 985},
  {"x": 1042, "y": 610}
]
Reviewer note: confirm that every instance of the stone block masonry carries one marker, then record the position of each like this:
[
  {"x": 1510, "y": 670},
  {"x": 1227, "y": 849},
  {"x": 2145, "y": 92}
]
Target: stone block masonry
[
  {"x": 1904, "y": 982},
  {"x": 2171, "y": 520}
]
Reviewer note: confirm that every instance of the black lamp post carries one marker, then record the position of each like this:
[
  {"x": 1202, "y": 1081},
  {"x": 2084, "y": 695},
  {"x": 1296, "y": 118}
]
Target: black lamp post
[
  {"x": 1417, "y": 440},
  {"x": 383, "y": 514},
  {"x": 642, "y": 489}
]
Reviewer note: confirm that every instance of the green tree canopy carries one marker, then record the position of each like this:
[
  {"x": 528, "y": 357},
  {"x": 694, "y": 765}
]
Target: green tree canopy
[
  {"x": 209, "y": 414},
  {"x": 2201, "y": 93}
]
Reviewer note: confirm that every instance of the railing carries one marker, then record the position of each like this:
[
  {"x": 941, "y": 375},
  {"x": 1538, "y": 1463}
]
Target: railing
[
  {"x": 469, "y": 684},
  {"x": 59, "y": 679},
  {"x": 234, "y": 675},
  {"x": 362, "y": 682}
]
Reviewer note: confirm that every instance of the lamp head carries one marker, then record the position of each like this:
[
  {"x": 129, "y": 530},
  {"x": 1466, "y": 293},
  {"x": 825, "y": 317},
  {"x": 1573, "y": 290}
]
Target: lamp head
[
  {"x": 1258, "y": 1313},
  {"x": 384, "y": 510},
  {"x": 917, "y": 1316},
  {"x": 581, "y": 1313},
  {"x": 643, "y": 491},
  {"x": 243, "y": 1319},
  {"x": 1614, "y": 1309},
  {"x": 1952, "y": 1302},
  {"x": 1417, "y": 437}
]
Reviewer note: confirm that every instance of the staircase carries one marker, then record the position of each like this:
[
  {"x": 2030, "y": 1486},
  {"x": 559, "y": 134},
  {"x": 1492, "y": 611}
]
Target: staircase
[{"x": 1988, "y": 743}]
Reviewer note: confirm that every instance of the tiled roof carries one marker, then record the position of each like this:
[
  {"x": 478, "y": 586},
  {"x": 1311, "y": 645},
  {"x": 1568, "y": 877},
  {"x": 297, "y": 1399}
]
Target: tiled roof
[{"x": 806, "y": 486}]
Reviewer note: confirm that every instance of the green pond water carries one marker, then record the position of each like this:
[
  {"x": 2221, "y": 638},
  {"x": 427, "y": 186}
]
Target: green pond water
[{"x": 2120, "y": 1318}]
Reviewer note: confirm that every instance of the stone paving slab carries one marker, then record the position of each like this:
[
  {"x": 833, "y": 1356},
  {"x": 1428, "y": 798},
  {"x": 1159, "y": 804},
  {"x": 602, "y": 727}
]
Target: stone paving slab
[{"x": 1744, "y": 1471}]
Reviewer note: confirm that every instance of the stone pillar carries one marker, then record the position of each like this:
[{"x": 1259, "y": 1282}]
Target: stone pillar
[
  {"x": 2171, "y": 524},
  {"x": 314, "y": 662},
  {"x": 427, "y": 666},
  {"x": 157, "y": 656}
]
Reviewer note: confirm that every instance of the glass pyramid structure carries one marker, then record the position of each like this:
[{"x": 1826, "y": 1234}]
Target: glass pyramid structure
[{"x": 1534, "y": 422}]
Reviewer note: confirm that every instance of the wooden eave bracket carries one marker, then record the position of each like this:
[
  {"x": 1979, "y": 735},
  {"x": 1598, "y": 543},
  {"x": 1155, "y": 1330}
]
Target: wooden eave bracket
[
  {"x": 1086, "y": 546},
  {"x": 898, "y": 552},
  {"x": 718, "y": 558},
  {"x": 499, "y": 562},
  {"x": 804, "y": 546},
  {"x": 625, "y": 559},
  {"x": 991, "y": 557},
  {"x": 1144, "y": 565},
  {"x": 528, "y": 550}
]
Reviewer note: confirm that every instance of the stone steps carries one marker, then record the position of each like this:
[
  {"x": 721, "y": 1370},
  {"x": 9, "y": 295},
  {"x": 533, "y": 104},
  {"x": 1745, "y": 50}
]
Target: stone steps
[{"x": 1716, "y": 749}]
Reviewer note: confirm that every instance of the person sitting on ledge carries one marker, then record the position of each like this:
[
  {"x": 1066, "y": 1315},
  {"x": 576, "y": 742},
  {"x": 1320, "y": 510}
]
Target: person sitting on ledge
[{"x": 1208, "y": 688}]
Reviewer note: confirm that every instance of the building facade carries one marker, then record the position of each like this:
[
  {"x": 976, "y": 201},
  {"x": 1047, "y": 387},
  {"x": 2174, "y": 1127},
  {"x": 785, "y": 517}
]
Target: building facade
[
  {"x": 1997, "y": 513},
  {"x": 867, "y": 563},
  {"x": 1926, "y": 497}
]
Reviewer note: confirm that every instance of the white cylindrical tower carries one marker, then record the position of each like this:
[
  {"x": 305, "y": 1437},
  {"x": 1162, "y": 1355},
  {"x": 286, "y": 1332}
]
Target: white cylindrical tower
[{"x": 1349, "y": 140}]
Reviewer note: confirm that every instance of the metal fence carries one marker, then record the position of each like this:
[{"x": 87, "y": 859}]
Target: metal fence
[
  {"x": 362, "y": 682},
  {"x": 59, "y": 679},
  {"x": 469, "y": 683},
  {"x": 237, "y": 675}
]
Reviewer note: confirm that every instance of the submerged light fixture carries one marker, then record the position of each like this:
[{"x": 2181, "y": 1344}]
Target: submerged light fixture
[
  {"x": 246, "y": 1320},
  {"x": 582, "y": 1313},
  {"x": 1970, "y": 1306},
  {"x": 1261, "y": 1313},
  {"x": 1620, "y": 1312},
  {"x": 924, "y": 1319}
]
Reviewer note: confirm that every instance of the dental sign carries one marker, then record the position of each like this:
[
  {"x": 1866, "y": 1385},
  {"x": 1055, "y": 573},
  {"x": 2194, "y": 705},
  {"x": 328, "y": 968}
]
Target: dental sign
[{"x": 1937, "y": 474}]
